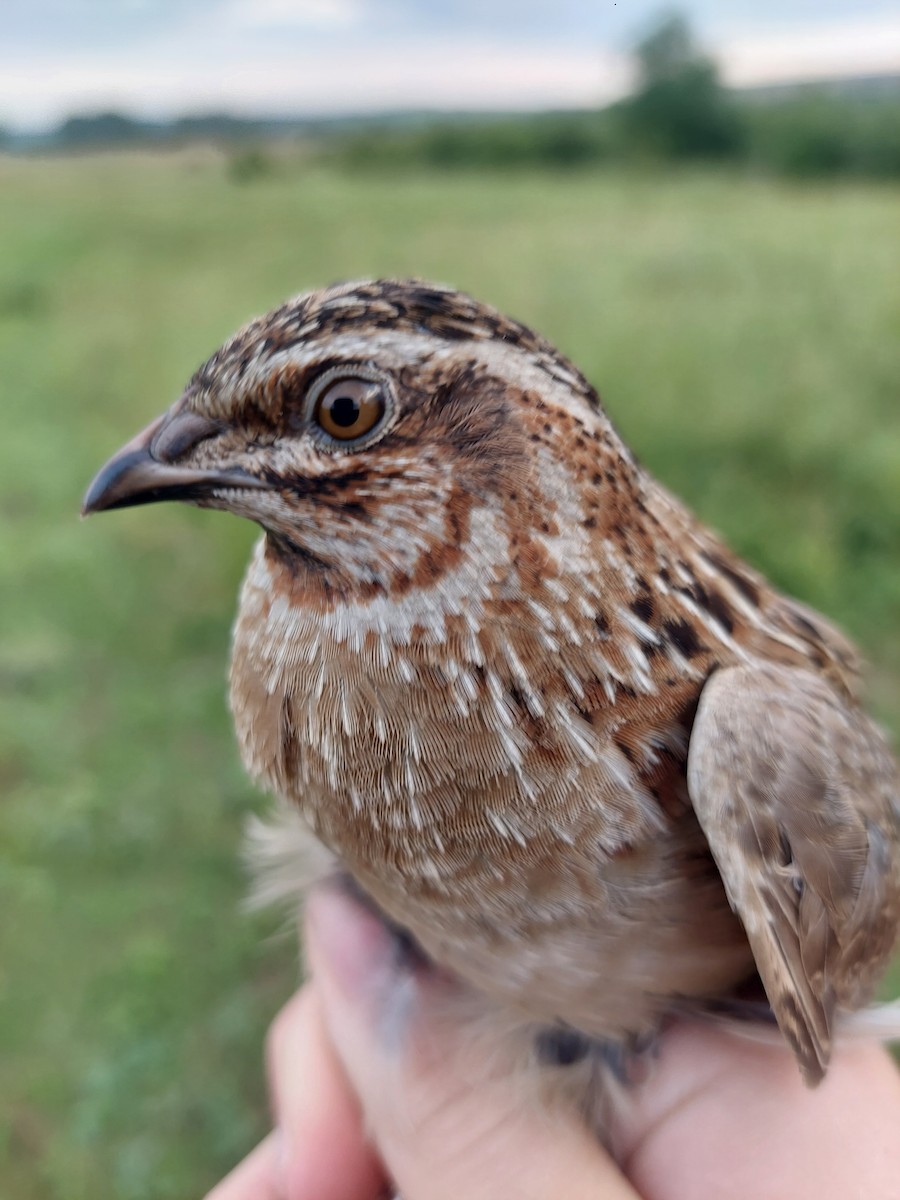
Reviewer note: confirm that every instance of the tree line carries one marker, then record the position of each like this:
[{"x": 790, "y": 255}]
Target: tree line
[{"x": 679, "y": 112}]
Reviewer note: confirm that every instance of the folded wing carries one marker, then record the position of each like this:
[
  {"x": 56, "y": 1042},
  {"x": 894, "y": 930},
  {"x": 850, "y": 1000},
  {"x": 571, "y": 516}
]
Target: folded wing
[{"x": 798, "y": 796}]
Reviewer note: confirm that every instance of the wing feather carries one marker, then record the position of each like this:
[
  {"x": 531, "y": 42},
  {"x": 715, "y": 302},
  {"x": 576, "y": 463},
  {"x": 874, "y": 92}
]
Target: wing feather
[{"x": 798, "y": 796}]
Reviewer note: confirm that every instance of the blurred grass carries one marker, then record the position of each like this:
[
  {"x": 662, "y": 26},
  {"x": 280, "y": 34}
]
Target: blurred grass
[{"x": 746, "y": 337}]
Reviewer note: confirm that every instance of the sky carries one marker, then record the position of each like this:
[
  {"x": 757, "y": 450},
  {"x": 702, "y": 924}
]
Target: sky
[{"x": 158, "y": 58}]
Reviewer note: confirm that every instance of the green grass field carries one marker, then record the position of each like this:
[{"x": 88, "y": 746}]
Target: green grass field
[{"x": 746, "y": 338}]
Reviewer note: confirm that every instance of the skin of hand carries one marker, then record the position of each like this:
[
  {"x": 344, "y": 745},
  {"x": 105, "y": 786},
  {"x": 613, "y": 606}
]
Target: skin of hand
[{"x": 360, "y": 1096}]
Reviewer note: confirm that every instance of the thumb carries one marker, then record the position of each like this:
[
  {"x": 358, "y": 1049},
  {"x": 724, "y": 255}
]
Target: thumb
[{"x": 442, "y": 1125}]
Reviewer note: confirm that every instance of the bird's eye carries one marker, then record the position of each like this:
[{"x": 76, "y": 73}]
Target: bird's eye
[{"x": 349, "y": 408}]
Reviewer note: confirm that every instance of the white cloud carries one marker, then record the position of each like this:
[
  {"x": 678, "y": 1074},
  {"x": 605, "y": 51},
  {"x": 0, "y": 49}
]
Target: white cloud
[
  {"x": 351, "y": 79},
  {"x": 867, "y": 47},
  {"x": 290, "y": 14}
]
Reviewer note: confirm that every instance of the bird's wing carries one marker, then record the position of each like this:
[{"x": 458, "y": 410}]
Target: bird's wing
[{"x": 798, "y": 797}]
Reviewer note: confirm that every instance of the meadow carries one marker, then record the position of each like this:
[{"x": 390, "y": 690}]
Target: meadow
[{"x": 746, "y": 338}]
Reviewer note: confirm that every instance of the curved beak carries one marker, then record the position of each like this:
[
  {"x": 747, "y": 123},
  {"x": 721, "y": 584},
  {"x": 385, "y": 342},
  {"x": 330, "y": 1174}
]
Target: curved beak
[{"x": 145, "y": 470}]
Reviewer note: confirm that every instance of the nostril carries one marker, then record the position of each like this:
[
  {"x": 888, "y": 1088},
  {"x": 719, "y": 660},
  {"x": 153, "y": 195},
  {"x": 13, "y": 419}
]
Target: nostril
[{"x": 180, "y": 434}]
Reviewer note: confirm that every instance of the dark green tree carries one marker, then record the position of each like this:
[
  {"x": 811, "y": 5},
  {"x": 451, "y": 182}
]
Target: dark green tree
[{"x": 680, "y": 109}]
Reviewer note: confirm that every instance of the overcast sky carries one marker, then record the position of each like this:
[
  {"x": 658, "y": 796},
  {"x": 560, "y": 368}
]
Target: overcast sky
[{"x": 295, "y": 57}]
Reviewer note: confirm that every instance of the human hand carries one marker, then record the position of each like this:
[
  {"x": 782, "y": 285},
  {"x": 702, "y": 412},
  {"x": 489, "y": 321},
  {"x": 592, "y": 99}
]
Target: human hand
[{"x": 357, "y": 1101}]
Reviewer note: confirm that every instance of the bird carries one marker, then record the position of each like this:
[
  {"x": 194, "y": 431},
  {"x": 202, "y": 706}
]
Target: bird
[{"x": 585, "y": 759}]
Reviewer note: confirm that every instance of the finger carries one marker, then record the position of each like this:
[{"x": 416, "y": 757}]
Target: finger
[
  {"x": 727, "y": 1117},
  {"x": 443, "y": 1126},
  {"x": 325, "y": 1154},
  {"x": 256, "y": 1178}
]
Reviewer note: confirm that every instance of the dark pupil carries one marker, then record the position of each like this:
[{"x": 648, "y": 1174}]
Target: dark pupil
[{"x": 344, "y": 411}]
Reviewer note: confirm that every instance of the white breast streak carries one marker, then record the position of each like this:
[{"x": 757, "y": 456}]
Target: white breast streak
[
  {"x": 749, "y": 611},
  {"x": 712, "y": 626}
]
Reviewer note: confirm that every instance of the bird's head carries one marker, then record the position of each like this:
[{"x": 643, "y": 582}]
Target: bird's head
[{"x": 361, "y": 425}]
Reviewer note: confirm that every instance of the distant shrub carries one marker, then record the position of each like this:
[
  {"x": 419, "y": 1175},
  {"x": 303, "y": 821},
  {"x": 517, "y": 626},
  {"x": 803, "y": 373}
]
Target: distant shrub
[
  {"x": 679, "y": 120},
  {"x": 101, "y": 129},
  {"x": 819, "y": 135},
  {"x": 22, "y": 298},
  {"x": 556, "y": 140},
  {"x": 250, "y": 164}
]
